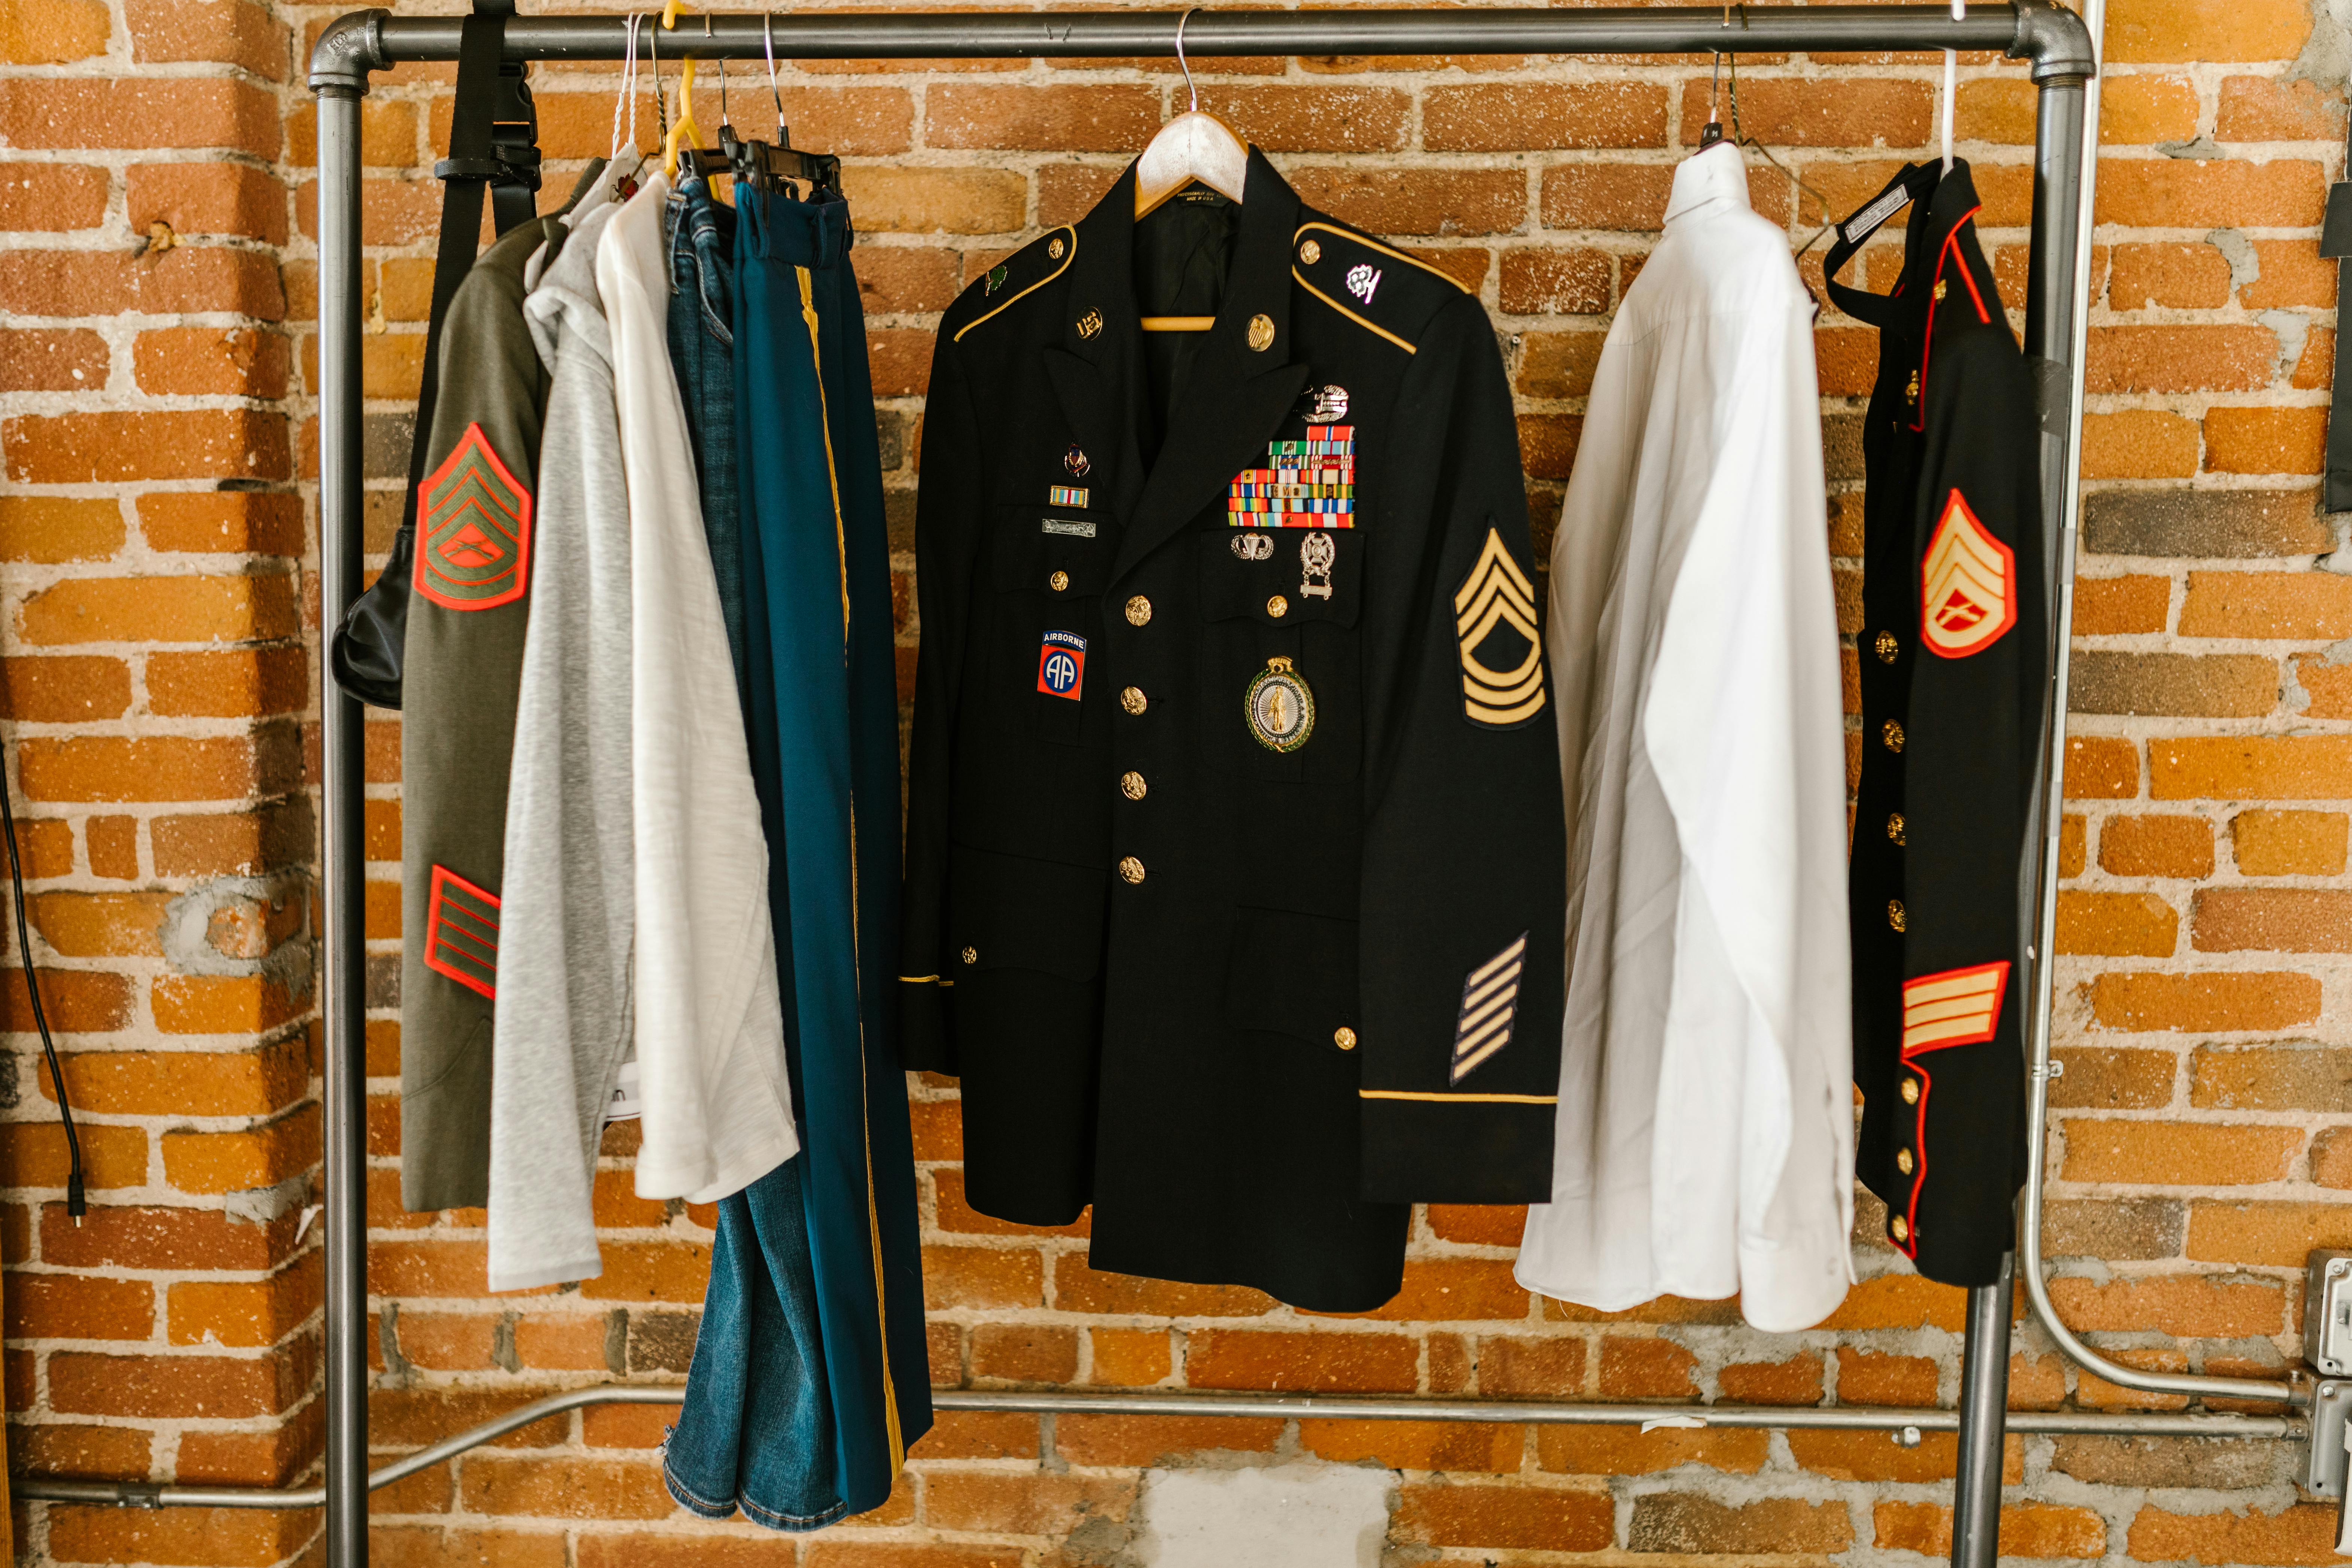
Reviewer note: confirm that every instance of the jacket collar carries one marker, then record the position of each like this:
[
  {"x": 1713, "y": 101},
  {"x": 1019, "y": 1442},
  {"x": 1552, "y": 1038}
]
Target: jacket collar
[
  {"x": 1707, "y": 178},
  {"x": 1237, "y": 395}
]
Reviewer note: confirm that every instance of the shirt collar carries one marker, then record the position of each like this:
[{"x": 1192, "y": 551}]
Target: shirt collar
[{"x": 1717, "y": 175}]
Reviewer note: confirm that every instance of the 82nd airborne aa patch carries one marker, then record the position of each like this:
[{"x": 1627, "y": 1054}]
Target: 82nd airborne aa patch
[
  {"x": 1495, "y": 619},
  {"x": 473, "y": 532},
  {"x": 1967, "y": 585},
  {"x": 1062, "y": 666}
]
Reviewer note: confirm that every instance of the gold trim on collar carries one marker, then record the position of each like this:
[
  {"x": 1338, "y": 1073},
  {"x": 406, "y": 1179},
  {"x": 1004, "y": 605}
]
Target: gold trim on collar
[
  {"x": 1460, "y": 1099},
  {"x": 1070, "y": 229},
  {"x": 1353, "y": 238},
  {"x": 1378, "y": 330}
]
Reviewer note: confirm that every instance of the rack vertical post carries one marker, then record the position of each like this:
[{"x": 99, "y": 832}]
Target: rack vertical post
[{"x": 357, "y": 45}]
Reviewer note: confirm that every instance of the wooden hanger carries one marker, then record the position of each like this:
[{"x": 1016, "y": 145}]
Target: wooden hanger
[{"x": 1193, "y": 147}]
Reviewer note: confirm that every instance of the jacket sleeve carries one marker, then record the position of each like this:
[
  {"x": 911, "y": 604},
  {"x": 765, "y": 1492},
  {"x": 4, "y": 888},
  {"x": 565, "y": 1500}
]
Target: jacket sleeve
[
  {"x": 949, "y": 520},
  {"x": 1975, "y": 702},
  {"x": 1464, "y": 879}
]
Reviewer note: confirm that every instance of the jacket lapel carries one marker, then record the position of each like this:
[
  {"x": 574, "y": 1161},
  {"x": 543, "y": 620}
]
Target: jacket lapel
[
  {"x": 1096, "y": 369},
  {"x": 1237, "y": 395}
]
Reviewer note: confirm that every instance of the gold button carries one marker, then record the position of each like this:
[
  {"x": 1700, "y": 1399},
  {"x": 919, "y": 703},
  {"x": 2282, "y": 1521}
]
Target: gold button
[
  {"x": 1911, "y": 392},
  {"x": 1903, "y": 1160},
  {"x": 1058, "y": 581},
  {"x": 1090, "y": 324},
  {"x": 1887, "y": 647},
  {"x": 1910, "y": 1092},
  {"x": 1939, "y": 287},
  {"x": 1310, "y": 253},
  {"x": 1895, "y": 914},
  {"x": 1892, "y": 734},
  {"x": 1894, "y": 827},
  {"x": 1138, "y": 611},
  {"x": 971, "y": 955},
  {"x": 1054, "y": 248},
  {"x": 1260, "y": 333},
  {"x": 1278, "y": 606},
  {"x": 1343, "y": 1036},
  {"x": 1131, "y": 785},
  {"x": 1131, "y": 869},
  {"x": 1134, "y": 700},
  {"x": 1899, "y": 1228}
]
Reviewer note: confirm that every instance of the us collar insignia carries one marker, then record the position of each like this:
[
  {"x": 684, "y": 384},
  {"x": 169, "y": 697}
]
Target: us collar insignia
[
  {"x": 1306, "y": 484},
  {"x": 1090, "y": 324},
  {"x": 1062, "y": 665},
  {"x": 1496, "y": 604},
  {"x": 996, "y": 277},
  {"x": 1279, "y": 707}
]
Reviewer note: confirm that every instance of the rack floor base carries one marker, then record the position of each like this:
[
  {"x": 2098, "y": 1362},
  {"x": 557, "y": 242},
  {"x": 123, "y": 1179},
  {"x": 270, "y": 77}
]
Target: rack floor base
[{"x": 1905, "y": 1426}]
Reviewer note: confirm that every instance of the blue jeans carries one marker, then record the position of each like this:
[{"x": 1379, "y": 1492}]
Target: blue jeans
[{"x": 757, "y": 1430}]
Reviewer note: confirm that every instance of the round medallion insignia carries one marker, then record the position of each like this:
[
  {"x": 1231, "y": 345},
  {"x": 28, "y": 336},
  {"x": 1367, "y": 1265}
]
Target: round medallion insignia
[{"x": 1280, "y": 708}]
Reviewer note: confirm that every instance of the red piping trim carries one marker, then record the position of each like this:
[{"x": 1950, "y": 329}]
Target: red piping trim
[
  {"x": 1911, "y": 1055},
  {"x": 1928, "y": 339}
]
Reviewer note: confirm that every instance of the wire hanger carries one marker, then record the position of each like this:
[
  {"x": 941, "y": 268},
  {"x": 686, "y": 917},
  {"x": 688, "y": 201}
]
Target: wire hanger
[
  {"x": 1193, "y": 147},
  {"x": 1952, "y": 82},
  {"x": 760, "y": 164},
  {"x": 1714, "y": 131}
]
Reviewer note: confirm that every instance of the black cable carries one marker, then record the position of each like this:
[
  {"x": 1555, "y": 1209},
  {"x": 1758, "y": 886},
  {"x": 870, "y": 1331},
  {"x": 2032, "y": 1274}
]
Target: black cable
[{"x": 77, "y": 1205}]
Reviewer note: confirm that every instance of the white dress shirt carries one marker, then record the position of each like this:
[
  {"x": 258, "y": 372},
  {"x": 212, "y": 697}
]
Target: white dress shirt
[{"x": 1705, "y": 1122}]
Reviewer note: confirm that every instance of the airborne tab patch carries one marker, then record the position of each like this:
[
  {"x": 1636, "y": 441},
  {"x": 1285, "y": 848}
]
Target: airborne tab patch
[
  {"x": 473, "y": 547},
  {"x": 1490, "y": 1001},
  {"x": 1498, "y": 598},
  {"x": 461, "y": 933},
  {"x": 1968, "y": 585}
]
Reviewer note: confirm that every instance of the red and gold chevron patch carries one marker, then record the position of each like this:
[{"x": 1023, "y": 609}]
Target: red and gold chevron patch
[
  {"x": 1953, "y": 1007},
  {"x": 1967, "y": 585},
  {"x": 473, "y": 548}
]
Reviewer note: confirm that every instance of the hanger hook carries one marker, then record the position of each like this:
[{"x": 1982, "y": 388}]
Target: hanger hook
[
  {"x": 724, "y": 122},
  {"x": 1181, "y": 63},
  {"x": 661, "y": 105},
  {"x": 768, "y": 38}
]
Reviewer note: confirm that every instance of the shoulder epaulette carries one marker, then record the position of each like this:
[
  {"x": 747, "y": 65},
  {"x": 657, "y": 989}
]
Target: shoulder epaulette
[
  {"x": 1024, "y": 272},
  {"x": 1379, "y": 287}
]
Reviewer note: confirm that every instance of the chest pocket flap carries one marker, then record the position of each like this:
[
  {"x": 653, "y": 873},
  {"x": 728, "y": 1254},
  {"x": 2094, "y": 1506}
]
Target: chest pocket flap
[
  {"x": 1310, "y": 574},
  {"x": 1009, "y": 912}
]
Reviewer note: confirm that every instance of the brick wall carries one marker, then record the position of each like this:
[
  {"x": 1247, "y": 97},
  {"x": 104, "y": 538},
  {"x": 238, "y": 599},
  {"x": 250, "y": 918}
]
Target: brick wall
[{"x": 161, "y": 623}]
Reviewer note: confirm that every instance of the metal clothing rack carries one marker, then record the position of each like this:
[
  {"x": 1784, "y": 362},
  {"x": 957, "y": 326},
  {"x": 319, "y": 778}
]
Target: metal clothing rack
[{"x": 2061, "y": 52}]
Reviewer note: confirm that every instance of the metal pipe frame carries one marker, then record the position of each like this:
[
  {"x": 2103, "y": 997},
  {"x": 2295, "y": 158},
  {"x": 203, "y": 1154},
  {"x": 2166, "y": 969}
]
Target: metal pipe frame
[
  {"x": 1903, "y": 1426},
  {"x": 351, "y": 50}
]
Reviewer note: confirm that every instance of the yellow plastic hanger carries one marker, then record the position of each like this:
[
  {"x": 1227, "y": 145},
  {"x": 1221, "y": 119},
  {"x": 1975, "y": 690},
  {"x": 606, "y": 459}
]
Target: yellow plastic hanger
[{"x": 683, "y": 131}]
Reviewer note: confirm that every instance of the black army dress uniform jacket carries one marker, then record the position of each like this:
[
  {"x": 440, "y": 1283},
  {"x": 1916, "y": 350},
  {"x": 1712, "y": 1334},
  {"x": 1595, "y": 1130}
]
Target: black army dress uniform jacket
[
  {"x": 1953, "y": 660},
  {"x": 1235, "y": 853}
]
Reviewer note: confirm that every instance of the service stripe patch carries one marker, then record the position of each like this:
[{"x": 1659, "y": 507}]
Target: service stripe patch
[
  {"x": 1953, "y": 1007},
  {"x": 1498, "y": 595},
  {"x": 461, "y": 933},
  {"x": 1490, "y": 1004}
]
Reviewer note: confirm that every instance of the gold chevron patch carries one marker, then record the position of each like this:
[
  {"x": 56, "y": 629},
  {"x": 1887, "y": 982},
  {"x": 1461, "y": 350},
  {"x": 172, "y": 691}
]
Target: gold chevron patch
[
  {"x": 1954, "y": 1007},
  {"x": 1968, "y": 585},
  {"x": 1496, "y": 599}
]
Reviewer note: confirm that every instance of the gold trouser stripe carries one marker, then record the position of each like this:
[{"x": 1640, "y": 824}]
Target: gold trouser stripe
[
  {"x": 1032, "y": 288},
  {"x": 865, "y": 1092},
  {"x": 1382, "y": 331},
  {"x": 1462, "y": 1099}
]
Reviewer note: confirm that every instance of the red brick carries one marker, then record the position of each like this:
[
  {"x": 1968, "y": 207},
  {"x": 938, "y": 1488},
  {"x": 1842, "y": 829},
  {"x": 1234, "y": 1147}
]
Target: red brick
[
  {"x": 237, "y": 361},
  {"x": 162, "y": 767},
  {"x": 1024, "y": 1353},
  {"x": 64, "y": 690},
  {"x": 2035, "y": 1531},
  {"x": 2187, "y": 275},
  {"x": 226, "y": 1537},
  {"x": 906, "y": 200},
  {"x": 2175, "y": 358},
  {"x": 208, "y": 199},
  {"x": 1088, "y": 118},
  {"x": 1785, "y": 113},
  {"x": 2182, "y": 1305},
  {"x": 1021, "y": 1504},
  {"x": 2300, "y": 1535},
  {"x": 2167, "y": 31},
  {"x": 172, "y": 1386},
  {"x": 1609, "y": 1450},
  {"x": 77, "y": 1307},
  {"x": 74, "y": 1452},
  {"x": 1079, "y": 1288},
  {"x": 2288, "y": 843},
  {"x": 77, "y": 1000},
  {"x": 247, "y": 1313},
  {"x": 1646, "y": 1368},
  {"x": 1475, "y": 1446},
  {"x": 1292, "y": 119},
  {"x": 2181, "y": 193},
  {"x": 2251, "y": 767},
  {"x": 415, "y": 1547},
  {"x": 2275, "y": 920},
  {"x": 112, "y": 1236},
  {"x": 52, "y": 359},
  {"x": 2292, "y": 273},
  {"x": 2139, "y": 924},
  {"x": 51, "y": 197},
  {"x": 1419, "y": 201},
  {"x": 222, "y": 522},
  {"x": 2204, "y": 1002},
  {"x": 1321, "y": 1362},
  {"x": 567, "y": 1488},
  {"x": 33, "y": 1154},
  {"x": 2264, "y": 440},
  {"x": 983, "y": 1277},
  {"x": 128, "y": 112},
  {"x": 1510, "y": 116},
  {"x": 49, "y": 529},
  {"x": 52, "y": 32},
  {"x": 1797, "y": 1380},
  {"x": 2139, "y": 443},
  {"x": 2157, "y": 846},
  {"x": 1684, "y": 1523},
  {"x": 1524, "y": 1517},
  {"x": 187, "y": 278},
  {"x": 1148, "y": 1439},
  {"x": 119, "y": 448},
  {"x": 650, "y": 1271}
]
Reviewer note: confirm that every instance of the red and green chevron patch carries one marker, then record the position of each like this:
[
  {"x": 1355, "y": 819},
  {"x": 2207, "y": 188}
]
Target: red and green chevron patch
[{"x": 474, "y": 530}]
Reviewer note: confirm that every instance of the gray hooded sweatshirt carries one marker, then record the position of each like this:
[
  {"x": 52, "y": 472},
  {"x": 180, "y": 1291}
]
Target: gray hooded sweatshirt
[{"x": 563, "y": 1018}]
